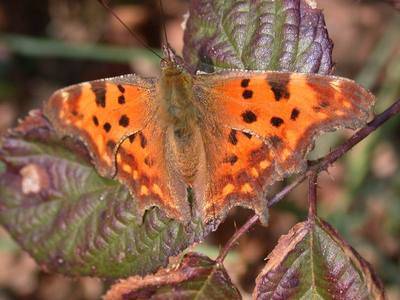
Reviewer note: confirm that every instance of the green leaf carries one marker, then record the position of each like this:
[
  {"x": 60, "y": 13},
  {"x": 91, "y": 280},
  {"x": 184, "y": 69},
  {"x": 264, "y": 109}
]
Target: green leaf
[
  {"x": 196, "y": 277},
  {"x": 283, "y": 35},
  {"x": 313, "y": 262},
  {"x": 73, "y": 221}
]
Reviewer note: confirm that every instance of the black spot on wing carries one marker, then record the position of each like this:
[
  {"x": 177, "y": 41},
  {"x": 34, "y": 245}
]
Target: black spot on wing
[
  {"x": 249, "y": 116},
  {"x": 132, "y": 138},
  {"x": 143, "y": 140},
  {"x": 124, "y": 121},
  {"x": 276, "y": 121},
  {"x": 247, "y": 94},
  {"x": 121, "y": 88},
  {"x": 245, "y": 83},
  {"x": 294, "y": 114},
  {"x": 232, "y": 137},
  {"x": 246, "y": 134},
  {"x": 95, "y": 121},
  {"x": 107, "y": 127},
  {"x": 279, "y": 85},
  {"x": 99, "y": 90},
  {"x": 121, "y": 99}
]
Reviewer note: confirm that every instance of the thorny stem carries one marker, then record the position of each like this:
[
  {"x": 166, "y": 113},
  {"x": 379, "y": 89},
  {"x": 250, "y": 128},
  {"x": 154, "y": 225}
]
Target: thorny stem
[
  {"x": 313, "y": 171},
  {"x": 242, "y": 230}
]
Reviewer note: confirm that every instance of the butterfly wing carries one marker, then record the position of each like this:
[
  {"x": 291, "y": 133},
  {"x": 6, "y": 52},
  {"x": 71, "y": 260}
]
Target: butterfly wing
[
  {"x": 266, "y": 124},
  {"x": 118, "y": 119},
  {"x": 102, "y": 113}
]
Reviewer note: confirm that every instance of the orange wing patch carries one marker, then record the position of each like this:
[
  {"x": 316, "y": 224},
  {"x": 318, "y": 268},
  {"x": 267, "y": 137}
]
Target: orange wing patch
[
  {"x": 141, "y": 165},
  {"x": 117, "y": 120},
  {"x": 288, "y": 110},
  {"x": 101, "y": 113},
  {"x": 283, "y": 113},
  {"x": 239, "y": 167}
]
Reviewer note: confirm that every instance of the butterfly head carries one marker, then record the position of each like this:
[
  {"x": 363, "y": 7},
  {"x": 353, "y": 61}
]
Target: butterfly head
[{"x": 172, "y": 64}]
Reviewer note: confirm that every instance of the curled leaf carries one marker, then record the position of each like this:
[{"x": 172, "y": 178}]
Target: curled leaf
[
  {"x": 313, "y": 262},
  {"x": 73, "y": 221},
  {"x": 196, "y": 277},
  {"x": 283, "y": 35}
]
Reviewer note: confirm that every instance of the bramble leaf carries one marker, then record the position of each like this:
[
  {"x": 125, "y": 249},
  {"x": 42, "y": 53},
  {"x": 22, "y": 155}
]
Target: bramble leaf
[
  {"x": 313, "y": 262},
  {"x": 73, "y": 221},
  {"x": 196, "y": 277},
  {"x": 283, "y": 35}
]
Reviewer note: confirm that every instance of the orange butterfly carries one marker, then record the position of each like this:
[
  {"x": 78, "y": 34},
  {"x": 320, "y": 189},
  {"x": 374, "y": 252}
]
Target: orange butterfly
[{"x": 226, "y": 136}]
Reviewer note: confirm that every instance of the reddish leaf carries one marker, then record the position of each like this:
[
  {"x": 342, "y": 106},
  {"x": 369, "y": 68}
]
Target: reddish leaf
[
  {"x": 197, "y": 277},
  {"x": 313, "y": 262}
]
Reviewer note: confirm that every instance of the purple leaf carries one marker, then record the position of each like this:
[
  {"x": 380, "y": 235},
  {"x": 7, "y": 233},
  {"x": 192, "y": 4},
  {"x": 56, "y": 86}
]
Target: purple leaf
[
  {"x": 284, "y": 35},
  {"x": 196, "y": 277},
  {"x": 313, "y": 262}
]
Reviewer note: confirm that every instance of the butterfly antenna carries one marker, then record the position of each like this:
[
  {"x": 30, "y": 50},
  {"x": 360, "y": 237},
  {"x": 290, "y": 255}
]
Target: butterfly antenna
[
  {"x": 163, "y": 25},
  {"x": 136, "y": 36}
]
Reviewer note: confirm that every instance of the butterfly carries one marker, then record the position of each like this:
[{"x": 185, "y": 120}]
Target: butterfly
[{"x": 222, "y": 137}]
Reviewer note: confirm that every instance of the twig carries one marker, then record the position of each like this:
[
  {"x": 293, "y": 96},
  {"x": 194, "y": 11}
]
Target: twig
[
  {"x": 314, "y": 169},
  {"x": 286, "y": 190},
  {"x": 242, "y": 230}
]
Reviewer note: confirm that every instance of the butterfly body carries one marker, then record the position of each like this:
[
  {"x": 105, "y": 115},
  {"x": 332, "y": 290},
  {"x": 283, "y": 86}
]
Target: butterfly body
[
  {"x": 182, "y": 136},
  {"x": 227, "y": 136}
]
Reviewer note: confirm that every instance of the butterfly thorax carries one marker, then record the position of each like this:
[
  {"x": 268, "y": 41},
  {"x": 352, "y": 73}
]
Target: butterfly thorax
[{"x": 183, "y": 136}]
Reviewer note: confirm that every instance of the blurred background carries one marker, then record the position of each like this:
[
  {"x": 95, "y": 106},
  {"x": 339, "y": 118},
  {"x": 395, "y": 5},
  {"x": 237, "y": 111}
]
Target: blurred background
[{"x": 45, "y": 45}]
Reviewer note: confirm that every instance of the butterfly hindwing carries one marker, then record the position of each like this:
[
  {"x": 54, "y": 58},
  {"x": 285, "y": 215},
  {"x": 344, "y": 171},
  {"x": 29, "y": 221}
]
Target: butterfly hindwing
[
  {"x": 142, "y": 165},
  {"x": 281, "y": 114},
  {"x": 238, "y": 166}
]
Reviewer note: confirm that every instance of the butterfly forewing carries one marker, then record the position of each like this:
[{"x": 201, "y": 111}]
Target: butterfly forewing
[
  {"x": 119, "y": 120},
  {"x": 271, "y": 120},
  {"x": 101, "y": 113}
]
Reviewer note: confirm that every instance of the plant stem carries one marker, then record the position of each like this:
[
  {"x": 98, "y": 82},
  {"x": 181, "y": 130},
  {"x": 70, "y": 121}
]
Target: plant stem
[
  {"x": 312, "y": 173},
  {"x": 242, "y": 230}
]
